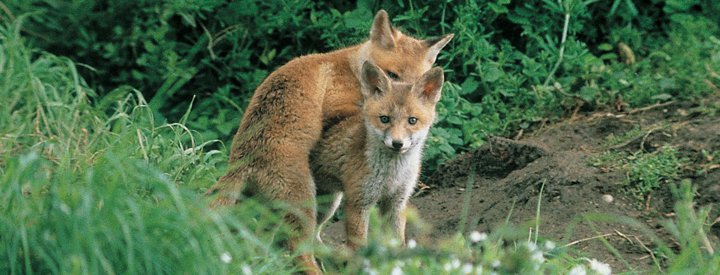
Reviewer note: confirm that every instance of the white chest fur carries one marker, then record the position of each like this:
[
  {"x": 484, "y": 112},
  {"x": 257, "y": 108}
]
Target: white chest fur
[{"x": 393, "y": 174}]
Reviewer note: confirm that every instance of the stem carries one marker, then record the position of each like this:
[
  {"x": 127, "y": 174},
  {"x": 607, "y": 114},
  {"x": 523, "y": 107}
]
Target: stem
[
  {"x": 537, "y": 211},
  {"x": 562, "y": 49}
]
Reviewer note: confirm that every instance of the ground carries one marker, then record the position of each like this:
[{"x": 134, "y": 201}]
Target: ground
[{"x": 501, "y": 181}]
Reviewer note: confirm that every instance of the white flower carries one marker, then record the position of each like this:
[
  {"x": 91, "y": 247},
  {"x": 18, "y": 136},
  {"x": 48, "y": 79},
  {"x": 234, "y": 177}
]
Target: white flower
[
  {"x": 538, "y": 257},
  {"x": 477, "y": 236},
  {"x": 396, "y": 271},
  {"x": 246, "y": 270},
  {"x": 447, "y": 267},
  {"x": 577, "y": 270},
  {"x": 531, "y": 246},
  {"x": 65, "y": 208},
  {"x": 496, "y": 263},
  {"x": 367, "y": 268},
  {"x": 467, "y": 269},
  {"x": 455, "y": 263},
  {"x": 549, "y": 245},
  {"x": 599, "y": 267},
  {"x": 225, "y": 257},
  {"x": 411, "y": 244}
]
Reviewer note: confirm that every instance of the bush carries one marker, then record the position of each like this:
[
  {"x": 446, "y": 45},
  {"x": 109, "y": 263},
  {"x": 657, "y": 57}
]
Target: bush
[{"x": 507, "y": 68}]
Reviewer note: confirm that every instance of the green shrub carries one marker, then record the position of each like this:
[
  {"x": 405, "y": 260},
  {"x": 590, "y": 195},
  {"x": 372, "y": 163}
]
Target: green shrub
[{"x": 507, "y": 67}]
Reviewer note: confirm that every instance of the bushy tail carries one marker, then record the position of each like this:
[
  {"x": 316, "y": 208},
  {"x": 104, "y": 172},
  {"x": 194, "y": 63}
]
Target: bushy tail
[{"x": 337, "y": 199}]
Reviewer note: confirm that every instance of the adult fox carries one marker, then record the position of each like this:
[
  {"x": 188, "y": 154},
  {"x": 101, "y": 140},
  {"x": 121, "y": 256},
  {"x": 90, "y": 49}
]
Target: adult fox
[
  {"x": 374, "y": 158},
  {"x": 290, "y": 109}
]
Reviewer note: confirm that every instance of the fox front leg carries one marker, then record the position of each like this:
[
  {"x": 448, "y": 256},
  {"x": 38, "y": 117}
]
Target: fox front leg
[
  {"x": 393, "y": 212},
  {"x": 357, "y": 217}
]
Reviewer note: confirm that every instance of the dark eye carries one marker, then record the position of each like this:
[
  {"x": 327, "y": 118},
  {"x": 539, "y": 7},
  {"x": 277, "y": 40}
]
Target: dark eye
[
  {"x": 385, "y": 119},
  {"x": 412, "y": 120},
  {"x": 393, "y": 75}
]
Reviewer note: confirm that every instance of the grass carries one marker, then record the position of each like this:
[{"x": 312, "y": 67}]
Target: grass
[
  {"x": 645, "y": 171},
  {"x": 93, "y": 184}
]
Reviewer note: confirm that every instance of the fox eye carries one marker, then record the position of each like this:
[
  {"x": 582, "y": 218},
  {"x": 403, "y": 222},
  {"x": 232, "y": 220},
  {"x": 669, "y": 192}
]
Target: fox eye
[
  {"x": 384, "y": 119},
  {"x": 412, "y": 120},
  {"x": 393, "y": 75}
]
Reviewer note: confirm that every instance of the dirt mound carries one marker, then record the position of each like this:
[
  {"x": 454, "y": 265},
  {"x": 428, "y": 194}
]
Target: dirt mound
[
  {"x": 496, "y": 159},
  {"x": 503, "y": 179}
]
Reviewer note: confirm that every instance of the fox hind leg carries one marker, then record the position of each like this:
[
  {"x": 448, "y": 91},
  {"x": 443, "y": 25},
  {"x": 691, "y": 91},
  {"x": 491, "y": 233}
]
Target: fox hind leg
[{"x": 293, "y": 186}]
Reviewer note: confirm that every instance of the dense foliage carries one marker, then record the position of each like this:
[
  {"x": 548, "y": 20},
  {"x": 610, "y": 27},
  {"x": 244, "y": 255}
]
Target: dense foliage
[{"x": 508, "y": 66}]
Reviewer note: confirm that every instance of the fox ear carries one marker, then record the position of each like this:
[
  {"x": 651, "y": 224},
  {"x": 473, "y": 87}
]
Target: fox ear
[
  {"x": 430, "y": 84},
  {"x": 436, "y": 44},
  {"x": 374, "y": 81},
  {"x": 382, "y": 33}
]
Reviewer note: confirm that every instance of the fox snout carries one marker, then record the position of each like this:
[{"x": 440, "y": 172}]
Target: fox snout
[{"x": 397, "y": 144}]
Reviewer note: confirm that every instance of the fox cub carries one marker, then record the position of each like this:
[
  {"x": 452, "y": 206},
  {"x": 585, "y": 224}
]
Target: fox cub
[
  {"x": 291, "y": 108},
  {"x": 374, "y": 158}
]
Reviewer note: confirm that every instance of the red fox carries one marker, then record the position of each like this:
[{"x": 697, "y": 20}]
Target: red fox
[
  {"x": 288, "y": 112},
  {"x": 374, "y": 157}
]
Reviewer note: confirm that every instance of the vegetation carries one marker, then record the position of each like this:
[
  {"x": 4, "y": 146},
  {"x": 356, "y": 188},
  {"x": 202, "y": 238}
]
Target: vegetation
[{"x": 94, "y": 178}]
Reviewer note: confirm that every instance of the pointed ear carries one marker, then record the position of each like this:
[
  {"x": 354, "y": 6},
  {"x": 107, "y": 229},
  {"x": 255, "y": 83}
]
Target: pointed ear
[
  {"x": 430, "y": 84},
  {"x": 436, "y": 44},
  {"x": 382, "y": 33},
  {"x": 374, "y": 81}
]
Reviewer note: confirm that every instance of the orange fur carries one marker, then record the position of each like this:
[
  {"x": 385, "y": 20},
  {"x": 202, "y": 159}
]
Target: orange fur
[
  {"x": 361, "y": 157},
  {"x": 287, "y": 114}
]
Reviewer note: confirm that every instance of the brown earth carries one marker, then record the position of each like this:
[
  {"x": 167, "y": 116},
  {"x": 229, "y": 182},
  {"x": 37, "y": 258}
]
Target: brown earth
[{"x": 503, "y": 179}]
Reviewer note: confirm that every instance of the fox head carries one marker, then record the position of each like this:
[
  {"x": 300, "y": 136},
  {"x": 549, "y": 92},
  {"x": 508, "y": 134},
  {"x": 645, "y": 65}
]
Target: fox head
[
  {"x": 400, "y": 56},
  {"x": 399, "y": 114}
]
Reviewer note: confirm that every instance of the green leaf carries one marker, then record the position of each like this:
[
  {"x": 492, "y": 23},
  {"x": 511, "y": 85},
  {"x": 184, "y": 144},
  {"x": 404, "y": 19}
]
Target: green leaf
[
  {"x": 605, "y": 47},
  {"x": 469, "y": 86}
]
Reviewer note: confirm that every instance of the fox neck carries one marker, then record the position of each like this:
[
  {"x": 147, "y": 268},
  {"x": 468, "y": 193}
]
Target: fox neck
[{"x": 397, "y": 172}]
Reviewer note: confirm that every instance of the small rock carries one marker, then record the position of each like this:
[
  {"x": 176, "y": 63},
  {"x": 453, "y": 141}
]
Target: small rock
[{"x": 607, "y": 198}]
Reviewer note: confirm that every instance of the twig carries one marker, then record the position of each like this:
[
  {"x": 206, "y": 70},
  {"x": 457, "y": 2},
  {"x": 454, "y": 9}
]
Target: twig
[
  {"x": 562, "y": 49},
  {"x": 652, "y": 255},
  {"x": 621, "y": 145},
  {"x": 588, "y": 239},
  {"x": 10, "y": 14},
  {"x": 706, "y": 242},
  {"x": 711, "y": 86},
  {"x": 651, "y": 107},
  {"x": 625, "y": 236},
  {"x": 642, "y": 142}
]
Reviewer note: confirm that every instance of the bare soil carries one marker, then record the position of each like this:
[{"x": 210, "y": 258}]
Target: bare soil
[{"x": 504, "y": 177}]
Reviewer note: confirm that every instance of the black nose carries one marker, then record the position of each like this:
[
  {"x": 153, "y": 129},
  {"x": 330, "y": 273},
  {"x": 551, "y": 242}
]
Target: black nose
[{"x": 397, "y": 144}]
